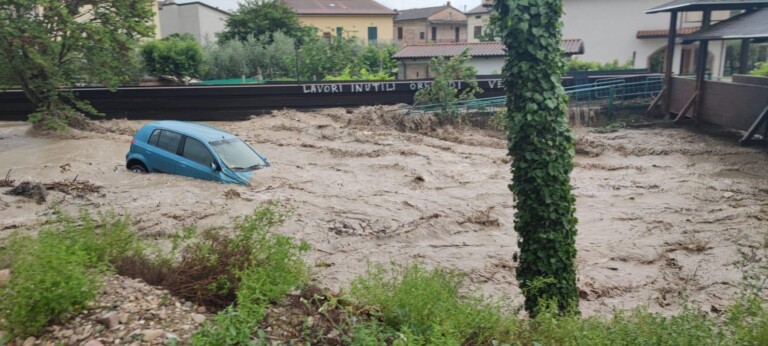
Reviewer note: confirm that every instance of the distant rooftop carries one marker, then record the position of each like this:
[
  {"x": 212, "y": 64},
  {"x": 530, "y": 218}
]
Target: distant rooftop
[
  {"x": 338, "y": 7},
  {"x": 476, "y": 49},
  {"x": 480, "y": 9},
  {"x": 661, "y": 33},
  {"x": 422, "y": 13}
]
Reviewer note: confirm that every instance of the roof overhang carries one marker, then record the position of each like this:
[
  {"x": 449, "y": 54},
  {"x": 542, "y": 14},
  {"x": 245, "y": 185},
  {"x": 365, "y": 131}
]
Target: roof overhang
[
  {"x": 748, "y": 25},
  {"x": 702, "y": 5}
]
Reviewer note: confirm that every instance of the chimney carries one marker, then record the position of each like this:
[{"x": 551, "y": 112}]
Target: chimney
[{"x": 448, "y": 4}]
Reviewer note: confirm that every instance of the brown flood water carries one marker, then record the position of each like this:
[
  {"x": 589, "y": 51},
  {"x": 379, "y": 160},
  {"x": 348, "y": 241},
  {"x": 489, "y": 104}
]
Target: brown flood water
[{"x": 660, "y": 209}]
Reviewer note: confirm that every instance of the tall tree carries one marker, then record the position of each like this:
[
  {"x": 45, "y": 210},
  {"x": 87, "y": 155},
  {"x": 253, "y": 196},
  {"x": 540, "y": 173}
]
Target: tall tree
[
  {"x": 53, "y": 45},
  {"x": 255, "y": 18},
  {"x": 542, "y": 147}
]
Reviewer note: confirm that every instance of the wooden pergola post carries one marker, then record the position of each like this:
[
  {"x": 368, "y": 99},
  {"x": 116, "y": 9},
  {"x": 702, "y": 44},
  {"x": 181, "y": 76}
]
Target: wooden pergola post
[
  {"x": 744, "y": 57},
  {"x": 701, "y": 66},
  {"x": 670, "y": 55}
]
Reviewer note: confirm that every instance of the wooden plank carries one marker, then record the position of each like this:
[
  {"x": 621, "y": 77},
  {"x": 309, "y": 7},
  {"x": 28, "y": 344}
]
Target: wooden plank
[
  {"x": 656, "y": 100},
  {"x": 756, "y": 126},
  {"x": 687, "y": 106}
]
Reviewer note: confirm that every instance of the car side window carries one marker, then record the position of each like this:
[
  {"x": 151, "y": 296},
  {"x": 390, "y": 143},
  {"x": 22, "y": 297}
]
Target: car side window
[
  {"x": 196, "y": 151},
  {"x": 169, "y": 141},
  {"x": 153, "y": 138}
]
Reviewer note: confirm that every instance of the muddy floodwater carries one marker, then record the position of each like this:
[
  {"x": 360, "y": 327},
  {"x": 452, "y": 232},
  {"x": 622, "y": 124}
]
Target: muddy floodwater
[{"x": 661, "y": 209}]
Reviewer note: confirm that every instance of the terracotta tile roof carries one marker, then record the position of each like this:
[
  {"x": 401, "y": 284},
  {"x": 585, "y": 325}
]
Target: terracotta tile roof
[
  {"x": 573, "y": 47},
  {"x": 481, "y": 49},
  {"x": 338, "y": 7},
  {"x": 661, "y": 33}
]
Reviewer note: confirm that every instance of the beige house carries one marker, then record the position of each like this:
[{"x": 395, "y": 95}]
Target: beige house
[
  {"x": 477, "y": 21},
  {"x": 442, "y": 24},
  {"x": 365, "y": 19}
]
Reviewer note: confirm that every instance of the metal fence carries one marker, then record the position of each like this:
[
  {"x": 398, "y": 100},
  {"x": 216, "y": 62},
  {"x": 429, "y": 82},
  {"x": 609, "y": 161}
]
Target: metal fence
[{"x": 609, "y": 95}]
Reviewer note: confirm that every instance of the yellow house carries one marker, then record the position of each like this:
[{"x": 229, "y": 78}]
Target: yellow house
[{"x": 365, "y": 19}]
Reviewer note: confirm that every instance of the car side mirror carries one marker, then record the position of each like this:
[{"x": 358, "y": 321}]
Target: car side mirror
[{"x": 215, "y": 167}]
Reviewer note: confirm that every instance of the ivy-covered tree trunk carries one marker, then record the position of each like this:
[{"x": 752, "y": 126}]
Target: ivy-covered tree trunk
[{"x": 542, "y": 147}]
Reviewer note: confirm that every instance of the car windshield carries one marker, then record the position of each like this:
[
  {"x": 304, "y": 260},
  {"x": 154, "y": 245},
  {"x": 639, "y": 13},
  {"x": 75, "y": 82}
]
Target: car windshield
[{"x": 237, "y": 155}]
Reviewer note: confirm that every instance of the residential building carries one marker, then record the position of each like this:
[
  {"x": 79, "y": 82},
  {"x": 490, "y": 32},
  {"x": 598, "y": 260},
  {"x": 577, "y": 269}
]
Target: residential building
[
  {"x": 477, "y": 21},
  {"x": 201, "y": 20},
  {"x": 621, "y": 30},
  {"x": 441, "y": 24},
  {"x": 365, "y": 19},
  {"x": 487, "y": 57}
]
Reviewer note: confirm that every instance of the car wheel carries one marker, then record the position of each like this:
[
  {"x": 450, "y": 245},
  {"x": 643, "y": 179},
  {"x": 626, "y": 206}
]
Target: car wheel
[{"x": 138, "y": 169}]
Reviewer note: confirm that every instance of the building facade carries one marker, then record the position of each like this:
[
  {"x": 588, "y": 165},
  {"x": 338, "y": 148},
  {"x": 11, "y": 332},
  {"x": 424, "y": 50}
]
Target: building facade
[
  {"x": 442, "y": 24},
  {"x": 621, "y": 30},
  {"x": 477, "y": 21},
  {"x": 198, "y": 19},
  {"x": 487, "y": 57},
  {"x": 367, "y": 20}
]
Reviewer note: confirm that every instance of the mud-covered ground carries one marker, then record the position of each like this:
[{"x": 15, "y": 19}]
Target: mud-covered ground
[{"x": 660, "y": 209}]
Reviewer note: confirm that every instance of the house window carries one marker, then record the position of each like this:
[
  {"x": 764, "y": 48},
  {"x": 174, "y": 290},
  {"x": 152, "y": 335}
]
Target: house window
[
  {"x": 458, "y": 34},
  {"x": 478, "y": 17},
  {"x": 422, "y": 36},
  {"x": 400, "y": 33},
  {"x": 327, "y": 36},
  {"x": 478, "y": 31},
  {"x": 434, "y": 33},
  {"x": 339, "y": 31},
  {"x": 373, "y": 34}
]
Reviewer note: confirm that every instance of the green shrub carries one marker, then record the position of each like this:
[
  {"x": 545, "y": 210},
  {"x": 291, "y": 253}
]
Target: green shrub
[
  {"x": 179, "y": 56},
  {"x": 574, "y": 64},
  {"x": 58, "y": 272},
  {"x": 426, "y": 307},
  {"x": 363, "y": 74},
  {"x": 49, "y": 280},
  {"x": 761, "y": 70},
  {"x": 254, "y": 265},
  {"x": 442, "y": 91}
]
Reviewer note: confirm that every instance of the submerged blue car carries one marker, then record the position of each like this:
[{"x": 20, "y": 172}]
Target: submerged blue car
[{"x": 193, "y": 150}]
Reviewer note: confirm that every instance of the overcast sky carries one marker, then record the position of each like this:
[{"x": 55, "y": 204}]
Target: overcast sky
[{"x": 394, "y": 4}]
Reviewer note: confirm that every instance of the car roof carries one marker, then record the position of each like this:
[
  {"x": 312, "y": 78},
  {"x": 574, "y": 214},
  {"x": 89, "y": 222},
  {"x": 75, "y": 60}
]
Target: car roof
[{"x": 198, "y": 131}]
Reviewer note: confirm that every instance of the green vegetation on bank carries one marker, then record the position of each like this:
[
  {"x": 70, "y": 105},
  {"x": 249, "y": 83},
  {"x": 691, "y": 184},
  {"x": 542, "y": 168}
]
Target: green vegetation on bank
[
  {"x": 58, "y": 271},
  {"x": 248, "y": 266}
]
